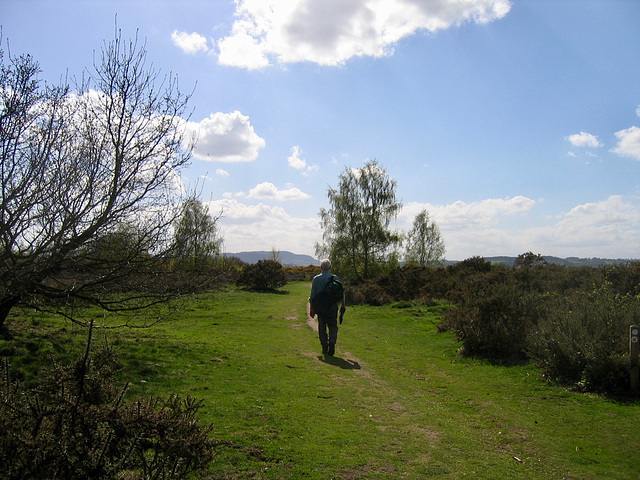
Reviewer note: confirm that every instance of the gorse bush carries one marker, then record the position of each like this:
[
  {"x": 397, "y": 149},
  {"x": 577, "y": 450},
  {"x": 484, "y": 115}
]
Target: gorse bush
[
  {"x": 263, "y": 275},
  {"x": 492, "y": 320},
  {"x": 583, "y": 339},
  {"x": 301, "y": 274},
  {"x": 75, "y": 424}
]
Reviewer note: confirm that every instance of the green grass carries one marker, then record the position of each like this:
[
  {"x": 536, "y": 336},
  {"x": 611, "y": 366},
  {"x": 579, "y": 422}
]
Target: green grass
[{"x": 397, "y": 401}]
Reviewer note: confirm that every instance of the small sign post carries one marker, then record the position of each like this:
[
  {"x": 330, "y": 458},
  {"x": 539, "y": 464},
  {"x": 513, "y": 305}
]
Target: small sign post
[{"x": 634, "y": 349}]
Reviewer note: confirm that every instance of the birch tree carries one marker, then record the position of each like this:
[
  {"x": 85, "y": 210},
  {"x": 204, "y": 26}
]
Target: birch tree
[
  {"x": 425, "y": 246},
  {"x": 356, "y": 227}
]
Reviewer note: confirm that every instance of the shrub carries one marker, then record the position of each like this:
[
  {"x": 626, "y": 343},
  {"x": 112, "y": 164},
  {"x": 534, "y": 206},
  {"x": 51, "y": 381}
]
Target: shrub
[
  {"x": 624, "y": 279},
  {"x": 263, "y": 275},
  {"x": 74, "y": 424},
  {"x": 301, "y": 274},
  {"x": 492, "y": 319},
  {"x": 583, "y": 340},
  {"x": 371, "y": 294},
  {"x": 407, "y": 283}
]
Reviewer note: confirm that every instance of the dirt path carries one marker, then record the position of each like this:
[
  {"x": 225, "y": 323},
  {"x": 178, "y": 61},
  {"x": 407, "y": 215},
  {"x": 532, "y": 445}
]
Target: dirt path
[
  {"x": 342, "y": 359},
  {"x": 312, "y": 322}
]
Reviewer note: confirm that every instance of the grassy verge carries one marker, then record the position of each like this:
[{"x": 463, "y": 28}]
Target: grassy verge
[{"x": 395, "y": 402}]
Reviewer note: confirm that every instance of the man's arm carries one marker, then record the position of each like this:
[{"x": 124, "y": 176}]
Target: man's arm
[{"x": 312, "y": 312}]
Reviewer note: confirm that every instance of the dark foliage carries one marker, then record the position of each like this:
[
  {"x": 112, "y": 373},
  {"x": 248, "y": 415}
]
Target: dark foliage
[
  {"x": 573, "y": 322},
  {"x": 582, "y": 339},
  {"x": 75, "y": 424},
  {"x": 263, "y": 275},
  {"x": 493, "y": 318}
]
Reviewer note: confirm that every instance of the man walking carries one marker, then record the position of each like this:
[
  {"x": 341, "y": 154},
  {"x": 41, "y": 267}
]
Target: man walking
[{"x": 326, "y": 309}]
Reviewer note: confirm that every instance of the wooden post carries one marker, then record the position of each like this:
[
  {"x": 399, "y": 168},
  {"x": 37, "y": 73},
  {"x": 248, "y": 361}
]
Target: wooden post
[{"x": 634, "y": 349}]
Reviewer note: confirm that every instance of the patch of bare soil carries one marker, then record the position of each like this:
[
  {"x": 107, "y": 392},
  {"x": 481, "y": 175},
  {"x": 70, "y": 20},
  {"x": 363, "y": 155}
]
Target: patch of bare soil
[{"x": 311, "y": 321}]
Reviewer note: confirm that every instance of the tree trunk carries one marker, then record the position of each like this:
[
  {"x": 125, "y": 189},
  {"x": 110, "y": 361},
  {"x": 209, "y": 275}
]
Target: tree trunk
[{"x": 6, "y": 304}]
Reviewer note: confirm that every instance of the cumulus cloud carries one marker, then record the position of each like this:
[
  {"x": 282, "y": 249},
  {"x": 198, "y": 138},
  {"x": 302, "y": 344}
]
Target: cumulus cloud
[
  {"x": 262, "y": 227},
  {"x": 268, "y": 190},
  {"x": 222, "y": 173},
  {"x": 332, "y": 32},
  {"x": 612, "y": 211},
  {"x": 628, "y": 143},
  {"x": 464, "y": 216},
  {"x": 225, "y": 137},
  {"x": 240, "y": 49},
  {"x": 608, "y": 228},
  {"x": 584, "y": 139},
  {"x": 190, "y": 42}
]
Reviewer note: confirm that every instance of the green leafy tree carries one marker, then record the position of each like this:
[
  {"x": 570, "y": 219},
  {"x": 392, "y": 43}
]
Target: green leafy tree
[
  {"x": 356, "y": 232},
  {"x": 529, "y": 260},
  {"x": 75, "y": 168},
  {"x": 425, "y": 246},
  {"x": 196, "y": 239}
]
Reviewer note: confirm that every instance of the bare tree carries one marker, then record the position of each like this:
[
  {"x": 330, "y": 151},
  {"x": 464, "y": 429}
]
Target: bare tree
[
  {"x": 84, "y": 170},
  {"x": 275, "y": 255}
]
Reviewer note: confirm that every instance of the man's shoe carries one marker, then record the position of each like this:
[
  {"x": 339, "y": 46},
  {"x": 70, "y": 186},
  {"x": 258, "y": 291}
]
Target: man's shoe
[{"x": 332, "y": 349}]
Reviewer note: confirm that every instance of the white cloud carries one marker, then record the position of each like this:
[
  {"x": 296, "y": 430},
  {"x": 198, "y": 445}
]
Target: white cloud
[
  {"x": 268, "y": 190},
  {"x": 241, "y": 49},
  {"x": 225, "y": 137},
  {"x": 294, "y": 160},
  {"x": 261, "y": 227},
  {"x": 332, "y": 32},
  {"x": 190, "y": 42},
  {"x": 628, "y": 143},
  {"x": 583, "y": 139},
  {"x": 465, "y": 216},
  {"x": 222, "y": 173},
  {"x": 609, "y": 228},
  {"x": 297, "y": 162},
  {"x": 613, "y": 211}
]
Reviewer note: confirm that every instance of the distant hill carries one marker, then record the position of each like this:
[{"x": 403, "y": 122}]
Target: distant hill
[
  {"x": 288, "y": 259},
  {"x": 296, "y": 260},
  {"x": 570, "y": 261}
]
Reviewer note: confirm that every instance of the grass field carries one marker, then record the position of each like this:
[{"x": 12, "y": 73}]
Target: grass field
[{"x": 396, "y": 401}]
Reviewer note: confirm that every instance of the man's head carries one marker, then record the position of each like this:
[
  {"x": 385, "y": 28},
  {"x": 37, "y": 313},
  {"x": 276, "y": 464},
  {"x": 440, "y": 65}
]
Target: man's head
[{"x": 325, "y": 264}]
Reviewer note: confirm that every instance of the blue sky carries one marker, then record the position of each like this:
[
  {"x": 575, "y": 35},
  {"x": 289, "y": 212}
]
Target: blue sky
[{"x": 516, "y": 124}]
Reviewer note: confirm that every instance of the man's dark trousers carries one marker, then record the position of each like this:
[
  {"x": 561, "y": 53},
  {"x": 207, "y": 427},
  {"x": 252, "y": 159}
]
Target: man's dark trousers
[{"x": 328, "y": 321}]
